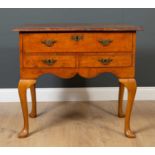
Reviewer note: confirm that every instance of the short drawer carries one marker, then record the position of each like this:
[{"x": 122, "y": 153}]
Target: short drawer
[
  {"x": 49, "y": 61},
  {"x": 106, "y": 60},
  {"x": 77, "y": 42}
]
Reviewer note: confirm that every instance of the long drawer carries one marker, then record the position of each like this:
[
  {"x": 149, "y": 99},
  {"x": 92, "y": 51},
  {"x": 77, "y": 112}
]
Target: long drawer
[{"x": 77, "y": 42}]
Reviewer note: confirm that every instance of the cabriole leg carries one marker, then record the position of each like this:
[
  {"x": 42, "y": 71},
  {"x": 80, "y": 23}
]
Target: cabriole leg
[
  {"x": 22, "y": 88},
  {"x": 130, "y": 84}
]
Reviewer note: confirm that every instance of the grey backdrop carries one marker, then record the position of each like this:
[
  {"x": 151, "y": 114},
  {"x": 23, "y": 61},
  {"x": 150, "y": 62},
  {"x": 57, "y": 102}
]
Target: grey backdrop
[{"x": 9, "y": 54}]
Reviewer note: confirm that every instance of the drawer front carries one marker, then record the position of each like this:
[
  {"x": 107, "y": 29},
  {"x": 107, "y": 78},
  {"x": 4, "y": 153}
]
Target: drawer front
[
  {"x": 77, "y": 42},
  {"x": 106, "y": 60},
  {"x": 48, "y": 61}
]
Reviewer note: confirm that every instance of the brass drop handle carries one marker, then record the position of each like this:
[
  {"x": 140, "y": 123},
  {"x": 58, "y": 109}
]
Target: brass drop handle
[
  {"x": 49, "y": 61},
  {"x": 105, "y": 42},
  {"x": 105, "y": 61},
  {"x": 76, "y": 38},
  {"x": 48, "y": 42}
]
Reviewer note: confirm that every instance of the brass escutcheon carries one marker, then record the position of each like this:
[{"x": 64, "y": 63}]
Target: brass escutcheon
[{"x": 77, "y": 38}]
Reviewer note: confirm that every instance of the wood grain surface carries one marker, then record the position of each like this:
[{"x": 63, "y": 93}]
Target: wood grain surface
[
  {"x": 90, "y": 42},
  {"x": 77, "y": 27}
]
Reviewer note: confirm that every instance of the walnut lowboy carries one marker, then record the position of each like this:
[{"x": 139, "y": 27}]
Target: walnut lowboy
[{"x": 85, "y": 49}]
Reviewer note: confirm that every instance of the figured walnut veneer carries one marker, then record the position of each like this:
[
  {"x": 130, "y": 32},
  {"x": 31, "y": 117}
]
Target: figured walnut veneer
[
  {"x": 69, "y": 49},
  {"x": 89, "y": 42}
]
